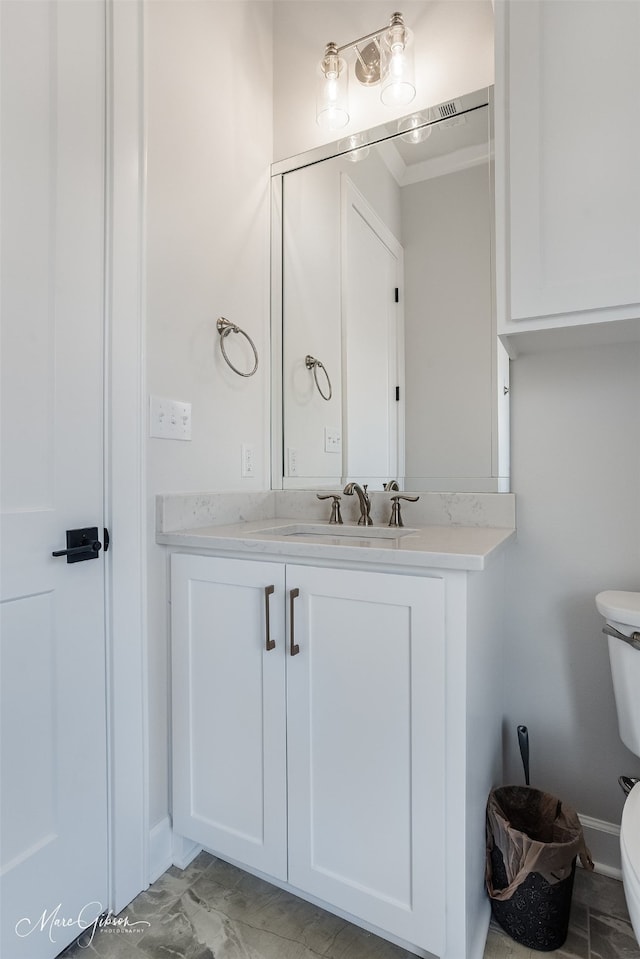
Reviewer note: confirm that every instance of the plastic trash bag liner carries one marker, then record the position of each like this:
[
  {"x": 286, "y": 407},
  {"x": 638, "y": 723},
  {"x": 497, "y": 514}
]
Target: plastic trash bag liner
[{"x": 535, "y": 833}]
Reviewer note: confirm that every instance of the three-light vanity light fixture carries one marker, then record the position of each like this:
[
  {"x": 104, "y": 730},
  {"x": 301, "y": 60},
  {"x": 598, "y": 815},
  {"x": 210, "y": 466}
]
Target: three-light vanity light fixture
[{"x": 384, "y": 56}]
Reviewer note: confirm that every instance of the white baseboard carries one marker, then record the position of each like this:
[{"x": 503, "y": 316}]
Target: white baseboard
[
  {"x": 167, "y": 849},
  {"x": 183, "y": 851},
  {"x": 160, "y": 849},
  {"x": 603, "y": 840}
]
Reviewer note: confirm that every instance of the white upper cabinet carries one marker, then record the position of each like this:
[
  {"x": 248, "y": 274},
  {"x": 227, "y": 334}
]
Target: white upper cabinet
[{"x": 567, "y": 164}]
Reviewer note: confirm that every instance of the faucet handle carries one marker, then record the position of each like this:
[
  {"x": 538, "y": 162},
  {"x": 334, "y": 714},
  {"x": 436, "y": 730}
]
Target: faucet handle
[
  {"x": 336, "y": 515},
  {"x": 396, "y": 515}
]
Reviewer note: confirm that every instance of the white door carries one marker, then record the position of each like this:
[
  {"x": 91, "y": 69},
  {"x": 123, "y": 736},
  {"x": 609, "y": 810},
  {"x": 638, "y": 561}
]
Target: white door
[
  {"x": 228, "y": 708},
  {"x": 365, "y": 763},
  {"x": 52, "y": 696},
  {"x": 373, "y": 344}
]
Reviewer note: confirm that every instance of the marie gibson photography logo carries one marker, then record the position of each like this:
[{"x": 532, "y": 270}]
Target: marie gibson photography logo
[{"x": 90, "y": 919}]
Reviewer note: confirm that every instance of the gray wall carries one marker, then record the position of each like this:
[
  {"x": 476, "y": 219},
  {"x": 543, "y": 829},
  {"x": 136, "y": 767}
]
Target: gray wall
[
  {"x": 576, "y": 473},
  {"x": 446, "y": 233}
]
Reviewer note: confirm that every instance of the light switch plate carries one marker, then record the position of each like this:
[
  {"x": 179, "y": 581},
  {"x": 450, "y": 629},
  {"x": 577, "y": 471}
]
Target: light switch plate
[
  {"x": 169, "y": 419},
  {"x": 332, "y": 440}
]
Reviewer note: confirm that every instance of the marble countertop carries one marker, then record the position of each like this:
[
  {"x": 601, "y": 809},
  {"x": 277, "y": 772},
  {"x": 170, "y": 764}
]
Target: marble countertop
[{"x": 442, "y": 547}]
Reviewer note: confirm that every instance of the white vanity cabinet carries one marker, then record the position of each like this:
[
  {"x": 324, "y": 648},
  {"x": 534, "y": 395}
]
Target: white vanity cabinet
[
  {"x": 323, "y": 768},
  {"x": 567, "y": 161},
  {"x": 337, "y": 723}
]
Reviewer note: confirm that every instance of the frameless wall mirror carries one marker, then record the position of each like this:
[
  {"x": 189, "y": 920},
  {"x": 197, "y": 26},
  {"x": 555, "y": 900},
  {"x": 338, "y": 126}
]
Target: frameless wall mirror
[{"x": 386, "y": 361}]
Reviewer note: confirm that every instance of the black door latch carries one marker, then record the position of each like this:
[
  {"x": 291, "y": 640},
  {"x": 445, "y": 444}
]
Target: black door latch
[{"x": 82, "y": 544}]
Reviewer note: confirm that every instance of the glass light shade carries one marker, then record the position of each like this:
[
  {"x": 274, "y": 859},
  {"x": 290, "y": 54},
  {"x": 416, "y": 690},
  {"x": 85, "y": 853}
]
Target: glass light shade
[
  {"x": 396, "y": 67},
  {"x": 413, "y": 130},
  {"x": 357, "y": 147},
  {"x": 332, "y": 101}
]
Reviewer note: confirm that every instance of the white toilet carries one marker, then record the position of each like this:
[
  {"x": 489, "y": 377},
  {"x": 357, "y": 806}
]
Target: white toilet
[{"x": 622, "y": 613}]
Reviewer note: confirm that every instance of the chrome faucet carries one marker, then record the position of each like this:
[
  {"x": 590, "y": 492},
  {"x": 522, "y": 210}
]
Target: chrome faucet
[{"x": 365, "y": 502}]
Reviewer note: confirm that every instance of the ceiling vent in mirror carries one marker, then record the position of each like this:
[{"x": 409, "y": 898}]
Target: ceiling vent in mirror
[
  {"x": 449, "y": 115},
  {"x": 449, "y": 109}
]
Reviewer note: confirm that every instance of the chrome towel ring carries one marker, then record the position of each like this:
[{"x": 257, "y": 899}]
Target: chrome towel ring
[
  {"x": 225, "y": 327},
  {"x": 313, "y": 364}
]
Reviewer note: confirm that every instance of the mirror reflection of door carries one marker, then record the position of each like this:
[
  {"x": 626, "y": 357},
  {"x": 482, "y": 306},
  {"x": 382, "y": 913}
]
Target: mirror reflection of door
[
  {"x": 372, "y": 338},
  {"x": 321, "y": 444}
]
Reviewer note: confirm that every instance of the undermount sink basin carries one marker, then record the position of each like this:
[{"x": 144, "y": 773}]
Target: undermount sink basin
[{"x": 346, "y": 532}]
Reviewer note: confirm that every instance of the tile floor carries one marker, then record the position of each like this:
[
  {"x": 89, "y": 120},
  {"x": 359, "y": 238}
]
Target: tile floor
[{"x": 214, "y": 911}]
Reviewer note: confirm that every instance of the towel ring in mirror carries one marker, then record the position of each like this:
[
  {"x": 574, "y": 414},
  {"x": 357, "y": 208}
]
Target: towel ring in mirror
[
  {"x": 313, "y": 364},
  {"x": 225, "y": 327}
]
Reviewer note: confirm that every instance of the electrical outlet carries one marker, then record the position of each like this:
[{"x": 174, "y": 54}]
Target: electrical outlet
[
  {"x": 169, "y": 419},
  {"x": 292, "y": 461},
  {"x": 248, "y": 459},
  {"x": 332, "y": 440}
]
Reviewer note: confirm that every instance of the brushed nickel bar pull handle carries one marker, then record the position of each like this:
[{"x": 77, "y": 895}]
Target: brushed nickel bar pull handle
[
  {"x": 270, "y": 643},
  {"x": 295, "y": 649}
]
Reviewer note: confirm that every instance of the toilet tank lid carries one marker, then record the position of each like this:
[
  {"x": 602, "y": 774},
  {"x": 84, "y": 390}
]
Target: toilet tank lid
[{"x": 620, "y": 606}]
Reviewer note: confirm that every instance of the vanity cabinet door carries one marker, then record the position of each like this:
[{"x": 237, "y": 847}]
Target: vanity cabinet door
[
  {"x": 365, "y": 712},
  {"x": 569, "y": 85},
  {"x": 229, "y": 733}
]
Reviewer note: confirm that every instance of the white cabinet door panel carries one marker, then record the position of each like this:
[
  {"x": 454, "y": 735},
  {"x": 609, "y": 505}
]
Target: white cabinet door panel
[
  {"x": 365, "y": 747},
  {"x": 573, "y": 74},
  {"x": 229, "y": 735}
]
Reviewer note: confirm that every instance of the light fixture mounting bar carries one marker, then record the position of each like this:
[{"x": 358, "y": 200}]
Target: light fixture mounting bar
[
  {"x": 368, "y": 63},
  {"x": 368, "y": 50},
  {"x": 366, "y": 39}
]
